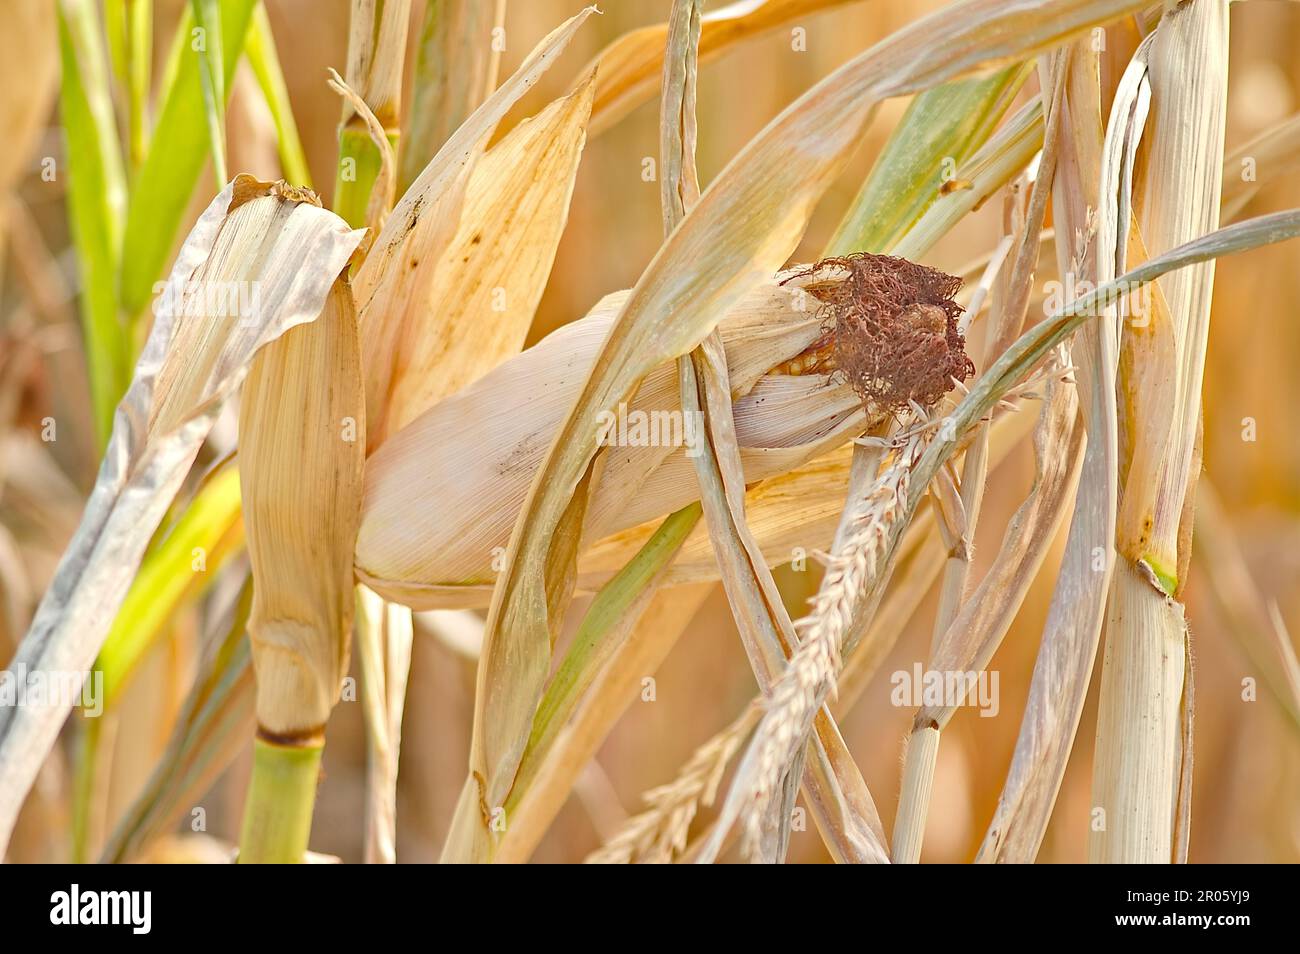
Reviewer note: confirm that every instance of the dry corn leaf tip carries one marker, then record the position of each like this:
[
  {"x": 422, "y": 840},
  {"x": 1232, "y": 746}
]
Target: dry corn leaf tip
[{"x": 893, "y": 325}]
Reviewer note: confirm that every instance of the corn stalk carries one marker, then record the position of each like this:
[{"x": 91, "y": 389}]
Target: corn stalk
[
  {"x": 1140, "y": 749},
  {"x": 376, "y": 52}
]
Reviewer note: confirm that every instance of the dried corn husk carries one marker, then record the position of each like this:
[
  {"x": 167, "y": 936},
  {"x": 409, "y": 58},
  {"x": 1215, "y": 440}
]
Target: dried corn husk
[
  {"x": 1073, "y": 626},
  {"x": 490, "y": 275},
  {"x": 258, "y": 235},
  {"x": 302, "y": 451},
  {"x": 404, "y": 270},
  {"x": 433, "y": 522}
]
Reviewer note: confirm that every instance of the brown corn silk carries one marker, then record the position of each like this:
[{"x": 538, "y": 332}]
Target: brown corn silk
[{"x": 894, "y": 328}]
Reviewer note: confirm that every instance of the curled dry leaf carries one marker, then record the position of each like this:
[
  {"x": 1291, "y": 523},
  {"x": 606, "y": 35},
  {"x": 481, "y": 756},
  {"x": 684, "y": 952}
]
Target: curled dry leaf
[
  {"x": 266, "y": 239},
  {"x": 302, "y": 450}
]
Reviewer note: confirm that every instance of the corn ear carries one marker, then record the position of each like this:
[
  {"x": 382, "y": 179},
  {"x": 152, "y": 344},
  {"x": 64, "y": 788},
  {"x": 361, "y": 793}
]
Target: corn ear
[{"x": 434, "y": 522}]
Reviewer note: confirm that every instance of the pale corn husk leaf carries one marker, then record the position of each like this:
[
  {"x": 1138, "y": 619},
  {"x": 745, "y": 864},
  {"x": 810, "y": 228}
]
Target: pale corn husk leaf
[
  {"x": 631, "y": 67},
  {"x": 679, "y": 181},
  {"x": 302, "y": 450},
  {"x": 393, "y": 286},
  {"x": 254, "y": 232},
  {"x": 1181, "y": 197},
  {"x": 492, "y": 273},
  {"x": 1135, "y": 778}
]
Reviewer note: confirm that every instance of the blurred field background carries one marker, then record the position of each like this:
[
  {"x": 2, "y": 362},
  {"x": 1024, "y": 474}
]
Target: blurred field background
[{"x": 1246, "y": 797}]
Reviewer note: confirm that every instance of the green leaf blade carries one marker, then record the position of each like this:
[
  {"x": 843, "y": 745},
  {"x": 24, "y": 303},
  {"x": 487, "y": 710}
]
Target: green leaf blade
[{"x": 167, "y": 178}]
